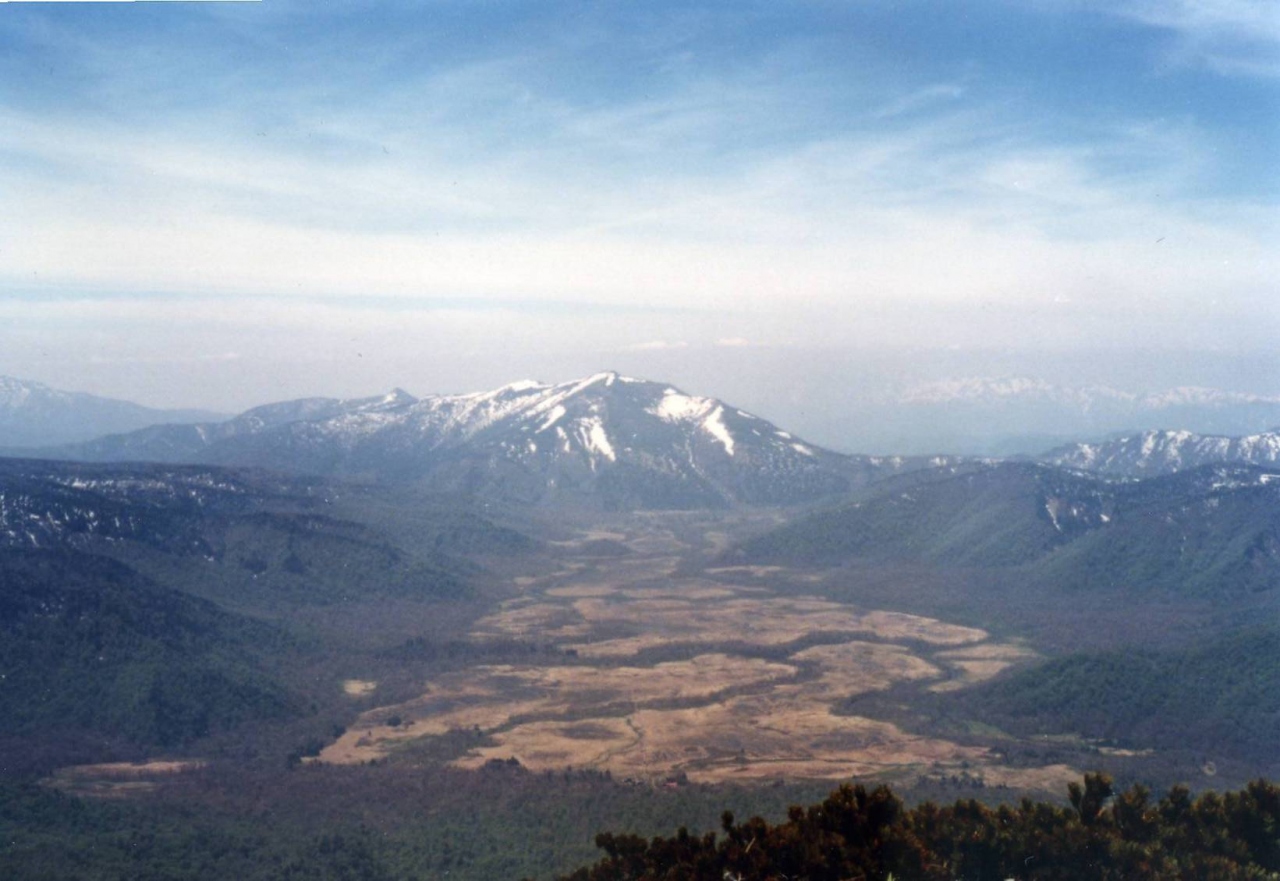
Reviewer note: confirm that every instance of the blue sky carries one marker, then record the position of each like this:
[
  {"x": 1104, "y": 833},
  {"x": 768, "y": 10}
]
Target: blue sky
[{"x": 228, "y": 203}]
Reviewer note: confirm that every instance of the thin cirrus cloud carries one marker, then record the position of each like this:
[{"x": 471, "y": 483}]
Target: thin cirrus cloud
[
  {"x": 1239, "y": 37},
  {"x": 712, "y": 176},
  {"x": 885, "y": 214}
]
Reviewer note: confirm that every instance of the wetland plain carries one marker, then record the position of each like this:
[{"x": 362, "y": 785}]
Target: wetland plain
[{"x": 667, "y": 666}]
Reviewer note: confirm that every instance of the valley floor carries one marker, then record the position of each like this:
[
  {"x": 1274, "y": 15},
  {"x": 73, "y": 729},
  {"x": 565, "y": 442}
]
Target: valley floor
[
  {"x": 625, "y": 678},
  {"x": 667, "y": 671}
]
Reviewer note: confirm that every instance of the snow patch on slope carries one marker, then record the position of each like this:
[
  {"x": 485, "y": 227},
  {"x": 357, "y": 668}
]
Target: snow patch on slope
[
  {"x": 597, "y": 440},
  {"x": 715, "y": 426},
  {"x": 552, "y": 418},
  {"x": 675, "y": 407}
]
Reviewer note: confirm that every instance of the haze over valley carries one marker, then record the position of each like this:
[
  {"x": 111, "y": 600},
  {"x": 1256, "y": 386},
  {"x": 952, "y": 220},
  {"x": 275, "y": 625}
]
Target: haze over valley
[
  {"x": 611, "y": 576},
  {"x": 716, "y": 441}
]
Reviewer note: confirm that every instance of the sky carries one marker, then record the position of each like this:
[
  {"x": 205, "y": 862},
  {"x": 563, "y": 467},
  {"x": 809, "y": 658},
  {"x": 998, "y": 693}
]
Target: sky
[{"x": 785, "y": 204}]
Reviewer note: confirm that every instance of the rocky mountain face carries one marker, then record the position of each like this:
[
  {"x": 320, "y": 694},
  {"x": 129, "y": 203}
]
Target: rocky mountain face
[
  {"x": 606, "y": 440},
  {"x": 1164, "y": 452},
  {"x": 33, "y": 414}
]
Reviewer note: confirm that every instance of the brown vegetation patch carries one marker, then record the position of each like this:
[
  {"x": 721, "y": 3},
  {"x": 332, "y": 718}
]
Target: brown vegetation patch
[
  {"x": 493, "y": 697},
  {"x": 582, "y": 590},
  {"x": 694, "y": 611},
  {"x": 899, "y": 625},
  {"x": 553, "y": 746},
  {"x": 701, "y": 677},
  {"x": 118, "y": 779},
  {"x": 716, "y": 716},
  {"x": 524, "y": 618},
  {"x": 1003, "y": 651},
  {"x": 979, "y": 663},
  {"x": 754, "y": 571},
  {"x": 1050, "y": 778},
  {"x": 629, "y": 646},
  {"x": 739, "y": 739},
  {"x": 683, "y": 594},
  {"x": 850, "y": 668}
]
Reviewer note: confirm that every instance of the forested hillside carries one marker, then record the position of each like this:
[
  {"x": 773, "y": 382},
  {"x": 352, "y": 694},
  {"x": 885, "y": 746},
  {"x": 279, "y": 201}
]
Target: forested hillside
[
  {"x": 861, "y": 833},
  {"x": 147, "y": 607},
  {"x": 1221, "y": 696},
  {"x": 1212, "y": 531},
  {"x": 90, "y": 649}
]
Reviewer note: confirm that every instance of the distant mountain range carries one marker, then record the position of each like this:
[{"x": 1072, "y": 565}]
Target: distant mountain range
[
  {"x": 1163, "y": 452},
  {"x": 1010, "y": 415},
  {"x": 617, "y": 442},
  {"x": 605, "y": 440},
  {"x": 1008, "y": 390},
  {"x": 33, "y": 414}
]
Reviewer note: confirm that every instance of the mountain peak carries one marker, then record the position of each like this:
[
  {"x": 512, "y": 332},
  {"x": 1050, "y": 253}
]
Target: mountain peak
[
  {"x": 605, "y": 379},
  {"x": 605, "y": 439},
  {"x": 397, "y": 397},
  {"x": 33, "y": 414}
]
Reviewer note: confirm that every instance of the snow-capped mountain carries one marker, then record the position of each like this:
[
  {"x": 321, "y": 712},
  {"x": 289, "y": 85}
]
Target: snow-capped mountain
[
  {"x": 604, "y": 440},
  {"x": 989, "y": 391},
  {"x": 33, "y": 414},
  {"x": 1163, "y": 452},
  {"x": 1009, "y": 390}
]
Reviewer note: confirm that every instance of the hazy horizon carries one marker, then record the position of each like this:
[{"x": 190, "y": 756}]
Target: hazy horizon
[
  {"x": 846, "y": 401},
  {"x": 791, "y": 208}
]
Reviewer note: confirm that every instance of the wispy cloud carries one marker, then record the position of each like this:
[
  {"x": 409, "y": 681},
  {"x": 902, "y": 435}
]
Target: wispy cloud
[
  {"x": 657, "y": 346},
  {"x": 1228, "y": 36},
  {"x": 508, "y": 194}
]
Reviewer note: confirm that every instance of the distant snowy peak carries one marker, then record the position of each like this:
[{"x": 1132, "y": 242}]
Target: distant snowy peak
[
  {"x": 18, "y": 393},
  {"x": 599, "y": 416},
  {"x": 639, "y": 443},
  {"x": 1199, "y": 396},
  {"x": 1010, "y": 390},
  {"x": 33, "y": 414},
  {"x": 606, "y": 416},
  {"x": 1163, "y": 452},
  {"x": 996, "y": 390}
]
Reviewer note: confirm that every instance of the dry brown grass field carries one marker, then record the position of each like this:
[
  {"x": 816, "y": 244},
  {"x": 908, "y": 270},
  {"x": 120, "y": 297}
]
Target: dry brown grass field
[{"x": 715, "y": 676}]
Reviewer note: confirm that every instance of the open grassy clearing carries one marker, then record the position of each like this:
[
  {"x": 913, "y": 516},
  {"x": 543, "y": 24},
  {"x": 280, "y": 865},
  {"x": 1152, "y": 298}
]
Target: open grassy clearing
[
  {"x": 119, "y": 779},
  {"x": 660, "y": 673}
]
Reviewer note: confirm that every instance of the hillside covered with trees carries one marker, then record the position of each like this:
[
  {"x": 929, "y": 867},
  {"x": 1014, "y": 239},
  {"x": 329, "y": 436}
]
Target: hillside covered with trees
[{"x": 869, "y": 834}]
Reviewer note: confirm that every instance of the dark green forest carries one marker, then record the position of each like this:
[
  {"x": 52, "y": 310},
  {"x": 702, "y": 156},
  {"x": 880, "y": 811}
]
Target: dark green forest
[
  {"x": 1219, "y": 696},
  {"x": 381, "y": 823},
  {"x": 860, "y": 833},
  {"x": 89, "y": 646},
  {"x": 368, "y": 822},
  {"x": 1212, "y": 532}
]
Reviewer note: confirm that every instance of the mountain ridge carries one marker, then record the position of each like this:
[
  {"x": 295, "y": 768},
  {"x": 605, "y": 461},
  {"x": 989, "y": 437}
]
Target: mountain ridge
[
  {"x": 604, "y": 440},
  {"x": 1165, "y": 451},
  {"x": 1212, "y": 531},
  {"x": 34, "y": 414},
  {"x": 1025, "y": 415}
]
